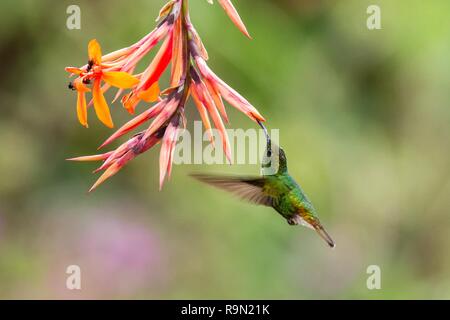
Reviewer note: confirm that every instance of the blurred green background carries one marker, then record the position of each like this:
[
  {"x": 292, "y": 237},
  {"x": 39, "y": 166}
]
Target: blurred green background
[{"x": 363, "y": 115}]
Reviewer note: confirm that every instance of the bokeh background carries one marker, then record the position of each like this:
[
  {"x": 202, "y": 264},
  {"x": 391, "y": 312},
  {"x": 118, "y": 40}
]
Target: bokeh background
[{"x": 363, "y": 116}]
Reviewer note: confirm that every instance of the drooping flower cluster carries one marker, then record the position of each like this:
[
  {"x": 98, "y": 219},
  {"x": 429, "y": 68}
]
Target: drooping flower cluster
[{"x": 190, "y": 76}]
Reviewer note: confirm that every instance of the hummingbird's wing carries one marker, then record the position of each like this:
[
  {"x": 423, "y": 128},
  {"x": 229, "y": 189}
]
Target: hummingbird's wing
[{"x": 249, "y": 189}]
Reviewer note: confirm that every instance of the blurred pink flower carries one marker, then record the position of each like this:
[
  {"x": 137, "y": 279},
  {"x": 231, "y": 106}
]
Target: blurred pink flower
[{"x": 118, "y": 256}]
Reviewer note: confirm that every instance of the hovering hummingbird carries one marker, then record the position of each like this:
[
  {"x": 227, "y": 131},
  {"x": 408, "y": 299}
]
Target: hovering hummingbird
[{"x": 275, "y": 188}]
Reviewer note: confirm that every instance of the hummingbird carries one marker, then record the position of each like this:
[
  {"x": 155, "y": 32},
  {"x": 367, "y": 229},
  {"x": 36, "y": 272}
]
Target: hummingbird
[{"x": 275, "y": 188}]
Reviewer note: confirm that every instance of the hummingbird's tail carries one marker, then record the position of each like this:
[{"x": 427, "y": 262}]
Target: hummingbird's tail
[{"x": 324, "y": 235}]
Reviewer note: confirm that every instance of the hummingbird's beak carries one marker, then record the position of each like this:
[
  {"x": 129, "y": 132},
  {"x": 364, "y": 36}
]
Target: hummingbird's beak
[
  {"x": 266, "y": 133},
  {"x": 325, "y": 236}
]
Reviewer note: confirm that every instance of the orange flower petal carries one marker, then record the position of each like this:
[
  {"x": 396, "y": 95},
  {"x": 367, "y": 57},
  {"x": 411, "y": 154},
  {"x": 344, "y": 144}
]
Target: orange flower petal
[
  {"x": 130, "y": 101},
  {"x": 100, "y": 105},
  {"x": 74, "y": 70},
  {"x": 199, "y": 43},
  {"x": 203, "y": 115},
  {"x": 205, "y": 98},
  {"x": 167, "y": 150},
  {"x": 114, "y": 168},
  {"x": 177, "y": 54},
  {"x": 118, "y": 153},
  {"x": 165, "y": 10},
  {"x": 116, "y": 54},
  {"x": 150, "y": 41},
  {"x": 82, "y": 109},
  {"x": 111, "y": 171},
  {"x": 169, "y": 109},
  {"x": 217, "y": 99},
  {"x": 157, "y": 66},
  {"x": 120, "y": 79},
  {"x": 234, "y": 16},
  {"x": 135, "y": 122},
  {"x": 95, "y": 52},
  {"x": 151, "y": 94},
  {"x": 80, "y": 86},
  {"x": 99, "y": 157},
  {"x": 169, "y": 90}
]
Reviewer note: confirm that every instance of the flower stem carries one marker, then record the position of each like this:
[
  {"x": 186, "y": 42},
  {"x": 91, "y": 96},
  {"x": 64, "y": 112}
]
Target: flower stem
[{"x": 186, "y": 52}]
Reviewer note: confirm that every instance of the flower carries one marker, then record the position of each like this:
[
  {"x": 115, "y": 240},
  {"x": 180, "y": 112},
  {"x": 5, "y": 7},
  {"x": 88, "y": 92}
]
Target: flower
[
  {"x": 81, "y": 88},
  {"x": 190, "y": 76},
  {"x": 234, "y": 16},
  {"x": 97, "y": 72}
]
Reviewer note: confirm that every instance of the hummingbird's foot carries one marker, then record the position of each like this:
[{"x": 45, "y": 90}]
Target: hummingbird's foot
[
  {"x": 298, "y": 220},
  {"x": 294, "y": 220}
]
